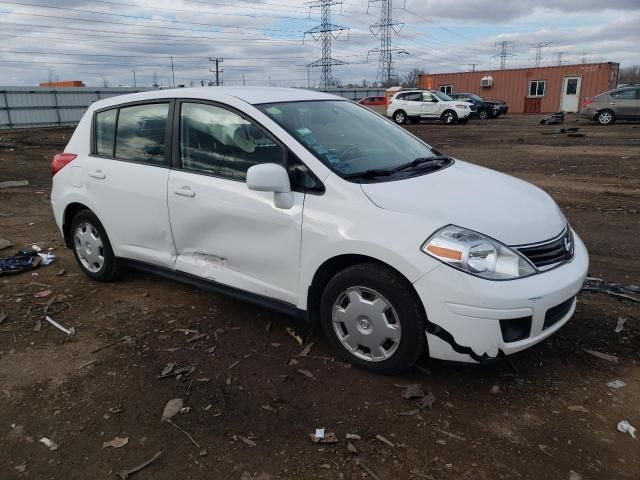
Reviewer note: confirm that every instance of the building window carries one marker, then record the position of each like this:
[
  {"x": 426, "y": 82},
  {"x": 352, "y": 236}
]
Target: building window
[
  {"x": 537, "y": 88},
  {"x": 446, "y": 89}
]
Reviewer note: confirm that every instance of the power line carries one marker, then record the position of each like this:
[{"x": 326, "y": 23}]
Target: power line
[{"x": 325, "y": 33}]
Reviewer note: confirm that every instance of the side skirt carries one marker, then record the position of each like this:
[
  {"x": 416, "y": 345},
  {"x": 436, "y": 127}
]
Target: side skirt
[{"x": 215, "y": 287}]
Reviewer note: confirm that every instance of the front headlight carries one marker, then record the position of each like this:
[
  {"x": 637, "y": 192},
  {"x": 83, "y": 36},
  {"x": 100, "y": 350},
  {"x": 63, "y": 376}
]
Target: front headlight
[{"x": 476, "y": 254}]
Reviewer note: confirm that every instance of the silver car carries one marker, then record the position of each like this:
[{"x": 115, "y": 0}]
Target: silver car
[{"x": 619, "y": 104}]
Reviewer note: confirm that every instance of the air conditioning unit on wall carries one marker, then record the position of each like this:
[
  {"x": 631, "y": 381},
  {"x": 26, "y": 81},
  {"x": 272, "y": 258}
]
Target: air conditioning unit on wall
[{"x": 486, "y": 82}]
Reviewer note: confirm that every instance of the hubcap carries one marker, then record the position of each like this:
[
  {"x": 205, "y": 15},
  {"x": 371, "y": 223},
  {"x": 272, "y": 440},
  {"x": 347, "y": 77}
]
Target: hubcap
[
  {"x": 366, "y": 324},
  {"x": 89, "y": 247},
  {"x": 400, "y": 118}
]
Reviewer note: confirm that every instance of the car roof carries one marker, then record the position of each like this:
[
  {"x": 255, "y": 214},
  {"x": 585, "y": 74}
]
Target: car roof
[{"x": 251, "y": 95}]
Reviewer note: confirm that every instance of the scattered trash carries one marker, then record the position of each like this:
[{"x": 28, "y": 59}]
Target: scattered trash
[
  {"x": 413, "y": 390},
  {"x": 117, "y": 442},
  {"x": 327, "y": 437},
  {"x": 172, "y": 408},
  {"x": 20, "y": 468},
  {"x": 115, "y": 410},
  {"x": 620, "y": 325},
  {"x": 43, "y": 294},
  {"x": 36, "y": 248},
  {"x": 319, "y": 432},
  {"x": 248, "y": 441},
  {"x": 602, "y": 356},
  {"x": 70, "y": 331},
  {"x": 14, "y": 183},
  {"x": 306, "y": 350},
  {"x": 578, "y": 408},
  {"x": 297, "y": 338},
  {"x": 351, "y": 448},
  {"x": 47, "y": 258},
  {"x": 306, "y": 373},
  {"x": 495, "y": 389},
  {"x": 60, "y": 272},
  {"x": 353, "y": 436},
  {"x": 384, "y": 440},
  {"x": 125, "y": 474},
  {"x": 179, "y": 372},
  {"x": 3, "y": 314},
  {"x": 4, "y": 244},
  {"x": 615, "y": 384},
  {"x": 553, "y": 119},
  {"x": 20, "y": 262},
  {"x": 625, "y": 427},
  {"x": 54, "y": 446},
  {"x": 427, "y": 401},
  {"x": 618, "y": 290}
]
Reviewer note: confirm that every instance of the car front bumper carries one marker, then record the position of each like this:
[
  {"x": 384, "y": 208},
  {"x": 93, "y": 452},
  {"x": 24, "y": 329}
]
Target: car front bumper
[{"x": 470, "y": 317}]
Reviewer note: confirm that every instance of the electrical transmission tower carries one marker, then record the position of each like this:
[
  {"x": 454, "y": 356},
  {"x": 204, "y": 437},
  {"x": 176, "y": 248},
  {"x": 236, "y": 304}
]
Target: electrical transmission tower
[
  {"x": 385, "y": 28},
  {"x": 505, "y": 51},
  {"x": 326, "y": 32},
  {"x": 560, "y": 54},
  {"x": 539, "y": 46}
]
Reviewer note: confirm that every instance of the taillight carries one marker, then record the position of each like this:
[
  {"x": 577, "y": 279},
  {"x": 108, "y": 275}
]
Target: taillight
[
  {"x": 587, "y": 101},
  {"x": 60, "y": 160}
]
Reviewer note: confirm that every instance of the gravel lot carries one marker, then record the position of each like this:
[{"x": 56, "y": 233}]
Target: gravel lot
[{"x": 252, "y": 400}]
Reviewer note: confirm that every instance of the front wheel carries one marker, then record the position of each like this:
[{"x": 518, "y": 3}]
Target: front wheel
[
  {"x": 606, "y": 117},
  {"x": 92, "y": 248},
  {"x": 374, "y": 320},
  {"x": 449, "y": 117},
  {"x": 483, "y": 114}
]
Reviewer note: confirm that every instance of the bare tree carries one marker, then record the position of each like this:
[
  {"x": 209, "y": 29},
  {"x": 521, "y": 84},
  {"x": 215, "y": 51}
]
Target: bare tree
[
  {"x": 412, "y": 79},
  {"x": 630, "y": 74}
]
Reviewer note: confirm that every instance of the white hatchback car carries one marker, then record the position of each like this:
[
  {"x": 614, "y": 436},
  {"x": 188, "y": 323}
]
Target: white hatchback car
[
  {"x": 317, "y": 207},
  {"x": 415, "y": 105}
]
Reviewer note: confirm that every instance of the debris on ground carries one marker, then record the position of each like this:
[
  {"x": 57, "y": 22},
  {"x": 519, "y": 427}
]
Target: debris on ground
[
  {"x": 427, "y": 401},
  {"x": 4, "y": 244},
  {"x": 117, "y": 442},
  {"x": 413, "y": 390},
  {"x": 3, "y": 314},
  {"x": 306, "y": 350},
  {"x": 620, "y": 324},
  {"x": 172, "y": 408},
  {"x": 68, "y": 331},
  {"x": 370, "y": 472},
  {"x": 20, "y": 468},
  {"x": 296, "y": 337},
  {"x": 42, "y": 294},
  {"x": 351, "y": 448},
  {"x": 306, "y": 373},
  {"x": 615, "y": 384},
  {"x": 20, "y": 262},
  {"x": 323, "y": 437},
  {"x": 602, "y": 356},
  {"x": 54, "y": 446},
  {"x": 179, "y": 372},
  {"x": 495, "y": 389},
  {"x": 553, "y": 119},
  {"x": 125, "y": 474},
  {"x": 247, "y": 441},
  {"x": 618, "y": 290},
  {"x": 14, "y": 183},
  {"x": 353, "y": 436},
  {"x": 384, "y": 440},
  {"x": 625, "y": 427},
  {"x": 577, "y": 408}
]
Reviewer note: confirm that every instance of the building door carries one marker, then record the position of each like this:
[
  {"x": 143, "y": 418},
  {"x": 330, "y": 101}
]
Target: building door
[{"x": 570, "y": 94}]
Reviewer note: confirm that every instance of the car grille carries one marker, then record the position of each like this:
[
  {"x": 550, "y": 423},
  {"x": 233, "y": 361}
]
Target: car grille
[
  {"x": 557, "y": 313},
  {"x": 546, "y": 255}
]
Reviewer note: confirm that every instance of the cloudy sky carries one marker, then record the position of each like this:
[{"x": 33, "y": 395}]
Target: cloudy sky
[{"x": 105, "y": 41}]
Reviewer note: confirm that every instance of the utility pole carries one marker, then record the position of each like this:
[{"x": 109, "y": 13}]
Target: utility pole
[
  {"x": 173, "y": 74},
  {"x": 472, "y": 66},
  {"x": 308, "y": 77},
  {"x": 584, "y": 57},
  {"x": 505, "y": 46},
  {"x": 134, "y": 78},
  {"x": 385, "y": 28},
  {"x": 326, "y": 32},
  {"x": 560, "y": 54},
  {"x": 539, "y": 46},
  {"x": 217, "y": 70},
  {"x": 243, "y": 84}
]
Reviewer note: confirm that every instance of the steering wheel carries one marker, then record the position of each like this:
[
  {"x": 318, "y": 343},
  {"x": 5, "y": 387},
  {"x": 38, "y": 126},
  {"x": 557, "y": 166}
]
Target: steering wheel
[{"x": 349, "y": 152}]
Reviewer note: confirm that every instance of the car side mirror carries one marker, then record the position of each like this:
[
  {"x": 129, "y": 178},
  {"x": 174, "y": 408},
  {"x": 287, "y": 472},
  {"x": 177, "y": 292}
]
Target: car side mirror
[{"x": 271, "y": 177}]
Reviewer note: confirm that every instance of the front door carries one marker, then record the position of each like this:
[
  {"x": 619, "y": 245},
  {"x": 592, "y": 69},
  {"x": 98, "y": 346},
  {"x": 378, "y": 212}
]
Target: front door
[
  {"x": 222, "y": 230},
  {"x": 429, "y": 107},
  {"x": 570, "y": 94}
]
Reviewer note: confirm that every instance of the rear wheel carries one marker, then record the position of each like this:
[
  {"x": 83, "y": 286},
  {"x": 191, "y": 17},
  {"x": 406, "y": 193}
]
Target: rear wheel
[
  {"x": 606, "y": 117},
  {"x": 449, "y": 117},
  {"x": 483, "y": 114},
  {"x": 92, "y": 248},
  {"x": 400, "y": 117},
  {"x": 373, "y": 319}
]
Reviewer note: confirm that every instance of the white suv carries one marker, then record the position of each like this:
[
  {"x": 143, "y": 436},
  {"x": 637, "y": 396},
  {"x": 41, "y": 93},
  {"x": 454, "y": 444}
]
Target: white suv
[
  {"x": 415, "y": 105},
  {"x": 317, "y": 207}
]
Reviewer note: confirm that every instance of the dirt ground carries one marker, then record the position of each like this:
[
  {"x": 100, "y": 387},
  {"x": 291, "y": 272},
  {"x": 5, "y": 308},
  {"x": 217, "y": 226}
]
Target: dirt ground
[{"x": 544, "y": 415}]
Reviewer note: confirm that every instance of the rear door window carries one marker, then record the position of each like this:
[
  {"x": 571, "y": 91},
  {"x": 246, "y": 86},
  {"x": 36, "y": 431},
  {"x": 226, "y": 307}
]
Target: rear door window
[
  {"x": 629, "y": 94},
  {"x": 141, "y": 133},
  {"x": 105, "y": 130}
]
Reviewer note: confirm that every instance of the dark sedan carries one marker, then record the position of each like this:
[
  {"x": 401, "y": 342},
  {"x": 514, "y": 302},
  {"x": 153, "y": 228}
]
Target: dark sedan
[{"x": 484, "y": 108}]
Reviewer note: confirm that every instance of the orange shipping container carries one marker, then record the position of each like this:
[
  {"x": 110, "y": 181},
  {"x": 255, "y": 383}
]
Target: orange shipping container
[
  {"x": 67, "y": 83},
  {"x": 531, "y": 90}
]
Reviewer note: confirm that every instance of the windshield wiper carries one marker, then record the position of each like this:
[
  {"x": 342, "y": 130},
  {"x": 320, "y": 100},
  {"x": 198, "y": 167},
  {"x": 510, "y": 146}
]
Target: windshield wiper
[
  {"x": 374, "y": 172},
  {"x": 436, "y": 161}
]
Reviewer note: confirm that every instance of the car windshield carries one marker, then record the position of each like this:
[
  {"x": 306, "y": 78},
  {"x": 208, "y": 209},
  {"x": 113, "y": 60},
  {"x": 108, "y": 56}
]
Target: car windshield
[
  {"x": 351, "y": 140},
  {"x": 442, "y": 96},
  {"x": 475, "y": 97}
]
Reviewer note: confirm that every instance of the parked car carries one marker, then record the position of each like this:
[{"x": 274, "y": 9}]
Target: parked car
[
  {"x": 415, "y": 105},
  {"x": 316, "y": 207},
  {"x": 377, "y": 104},
  {"x": 619, "y": 104},
  {"x": 484, "y": 108}
]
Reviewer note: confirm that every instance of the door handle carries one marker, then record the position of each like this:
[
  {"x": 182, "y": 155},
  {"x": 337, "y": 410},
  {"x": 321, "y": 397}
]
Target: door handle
[
  {"x": 612, "y": 103},
  {"x": 184, "y": 192},
  {"x": 99, "y": 174}
]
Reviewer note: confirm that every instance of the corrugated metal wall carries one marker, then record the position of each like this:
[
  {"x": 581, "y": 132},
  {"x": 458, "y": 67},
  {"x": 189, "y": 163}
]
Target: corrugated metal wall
[
  {"x": 37, "y": 106},
  {"x": 512, "y": 85}
]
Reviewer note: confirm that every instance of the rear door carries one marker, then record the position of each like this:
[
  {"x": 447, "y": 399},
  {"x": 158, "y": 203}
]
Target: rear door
[
  {"x": 223, "y": 231},
  {"x": 126, "y": 180}
]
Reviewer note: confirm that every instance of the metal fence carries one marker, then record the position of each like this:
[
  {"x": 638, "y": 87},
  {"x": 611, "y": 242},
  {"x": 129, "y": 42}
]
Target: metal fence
[
  {"x": 41, "y": 106},
  {"x": 38, "y": 106}
]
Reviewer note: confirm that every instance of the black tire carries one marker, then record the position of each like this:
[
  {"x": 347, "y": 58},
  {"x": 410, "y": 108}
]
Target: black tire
[
  {"x": 449, "y": 117},
  {"x": 399, "y": 294},
  {"x": 484, "y": 114},
  {"x": 400, "y": 117},
  {"x": 606, "y": 117},
  {"x": 110, "y": 267}
]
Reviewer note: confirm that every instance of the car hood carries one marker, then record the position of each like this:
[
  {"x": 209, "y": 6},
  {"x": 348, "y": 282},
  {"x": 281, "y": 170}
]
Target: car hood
[{"x": 503, "y": 207}]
